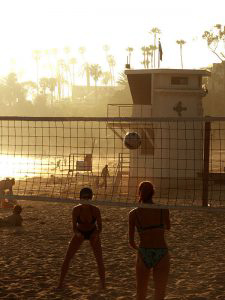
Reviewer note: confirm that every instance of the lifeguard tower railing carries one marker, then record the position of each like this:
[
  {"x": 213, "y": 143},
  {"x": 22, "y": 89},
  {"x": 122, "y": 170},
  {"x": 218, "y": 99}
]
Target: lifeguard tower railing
[{"x": 129, "y": 110}]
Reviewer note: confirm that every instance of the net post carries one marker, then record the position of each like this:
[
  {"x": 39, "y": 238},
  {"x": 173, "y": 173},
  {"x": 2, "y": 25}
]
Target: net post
[{"x": 206, "y": 163}]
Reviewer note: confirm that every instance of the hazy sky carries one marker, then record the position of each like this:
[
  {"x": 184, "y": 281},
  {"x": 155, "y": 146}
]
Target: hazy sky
[{"x": 43, "y": 24}]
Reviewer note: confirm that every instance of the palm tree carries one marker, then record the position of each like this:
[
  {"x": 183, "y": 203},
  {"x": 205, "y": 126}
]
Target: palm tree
[
  {"x": 112, "y": 63},
  {"x": 67, "y": 69},
  {"x": 96, "y": 73},
  {"x": 44, "y": 84},
  {"x": 86, "y": 70},
  {"x": 181, "y": 43},
  {"x": 144, "y": 54},
  {"x": 82, "y": 50},
  {"x": 30, "y": 87},
  {"x": 53, "y": 53},
  {"x": 67, "y": 50},
  {"x": 106, "y": 49},
  {"x": 85, "y": 65},
  {"x": 60, "y": 77},
  {"x": 106, "y": 77},
  {"x": 129, "y": 50},
  {"x": 155, "y": 31},
  {"x": 48, "y": 65},
  {"x": 37, "y": 56},
  {"x": 148, "y": 55},
  {"x": 152, "y": 48},
  {"x": 72, "y": 62},
  {"x": 52, "y": 85}
]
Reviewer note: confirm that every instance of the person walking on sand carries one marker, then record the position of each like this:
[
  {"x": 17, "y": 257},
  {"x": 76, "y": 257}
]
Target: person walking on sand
[
  {"x": 104, "y": 174},
  {"x": 87, "y": 225},
  {"x": 152, "y": 252}
]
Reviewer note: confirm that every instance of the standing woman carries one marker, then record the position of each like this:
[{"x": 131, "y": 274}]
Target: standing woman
[
  {"x": 152, "y": 252},
  {"x": 87, "y": 225}
]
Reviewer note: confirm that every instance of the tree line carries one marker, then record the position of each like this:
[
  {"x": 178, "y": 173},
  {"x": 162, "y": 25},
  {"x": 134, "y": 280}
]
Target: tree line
[{"x": 61, "y": 79}]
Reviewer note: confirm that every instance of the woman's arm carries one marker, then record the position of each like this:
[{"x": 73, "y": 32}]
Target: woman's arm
[
  {"x": 74, "y": 219},
  {"x": 132, "y": 231},
  {"x": 167, "y": 219},
  {"x": 99, "y": 220}
]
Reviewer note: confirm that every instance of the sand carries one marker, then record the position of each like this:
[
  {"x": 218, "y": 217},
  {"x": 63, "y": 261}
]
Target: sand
[{"x": 31, "y": 257}]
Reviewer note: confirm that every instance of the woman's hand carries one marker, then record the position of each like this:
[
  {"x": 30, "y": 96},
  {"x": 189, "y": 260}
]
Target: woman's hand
[
  {"x": 95, "y": 235},
  {"x": 133, "y": 246}
]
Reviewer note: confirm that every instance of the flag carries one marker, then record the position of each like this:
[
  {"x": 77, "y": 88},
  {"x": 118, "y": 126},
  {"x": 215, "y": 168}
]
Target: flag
[{"x": 160, "y": 51}]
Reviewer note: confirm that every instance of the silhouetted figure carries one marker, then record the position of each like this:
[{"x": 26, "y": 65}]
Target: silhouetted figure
[
  {"x": 6, "y": 188},
  {"x": 87, "y": 225},
  {"x": 104, "y": 174},
  {"x": 13, "y": 220},
  {"x": 152, "y": 251}
]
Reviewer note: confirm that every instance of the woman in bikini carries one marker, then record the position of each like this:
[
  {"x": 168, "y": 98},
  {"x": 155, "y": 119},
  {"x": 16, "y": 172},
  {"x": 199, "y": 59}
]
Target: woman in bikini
[
  {"x": 152, "y": 252},
  {"x": 87, "y": 225}
]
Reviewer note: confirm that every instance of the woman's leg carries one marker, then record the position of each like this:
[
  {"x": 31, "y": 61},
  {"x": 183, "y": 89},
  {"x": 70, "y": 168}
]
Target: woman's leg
[
  {"x": 142, "y": 277},
  {"x": 160, "y": 277},
  {"x": 74, "y": 245},
  {"x": 95, "y": 242}
]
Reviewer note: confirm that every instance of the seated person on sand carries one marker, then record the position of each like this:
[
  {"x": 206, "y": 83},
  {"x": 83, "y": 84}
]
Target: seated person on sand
[
  {"x": 87, "y": 225},
  {"x": 6, "y": 188},
  {"x": 13, "y": 220}
]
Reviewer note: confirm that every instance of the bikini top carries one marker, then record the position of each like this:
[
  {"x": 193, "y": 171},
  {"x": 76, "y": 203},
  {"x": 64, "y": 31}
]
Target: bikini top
[
  {"x": 79, "y": 221},
  {"x": 141, "y": 228}
]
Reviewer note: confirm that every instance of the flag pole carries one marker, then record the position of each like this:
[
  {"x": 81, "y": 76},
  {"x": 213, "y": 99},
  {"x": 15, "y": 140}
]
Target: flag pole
[
  {"x": 160, "y": 53},
  {"x": 158, "y": 59}
]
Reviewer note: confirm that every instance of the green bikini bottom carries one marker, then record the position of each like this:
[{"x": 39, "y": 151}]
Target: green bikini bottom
[{"x": 152, "y": 256}]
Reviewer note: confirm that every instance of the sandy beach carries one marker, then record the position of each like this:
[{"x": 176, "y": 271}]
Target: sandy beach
[{"x": 31, "y": 256}]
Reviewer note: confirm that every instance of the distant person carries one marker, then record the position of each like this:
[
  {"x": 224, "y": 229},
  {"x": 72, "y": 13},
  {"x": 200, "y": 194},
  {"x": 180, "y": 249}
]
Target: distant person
[
  {"x": 13, "y": 220},
  {"x": 87, "y": 225},
  {"x": 104, "y": 174},
  {"x": 6, "y": 188},
  {"x": 58, "y": 164},
  {"x": 152, "y": 252},
  {"x": 7, "y": 184}
]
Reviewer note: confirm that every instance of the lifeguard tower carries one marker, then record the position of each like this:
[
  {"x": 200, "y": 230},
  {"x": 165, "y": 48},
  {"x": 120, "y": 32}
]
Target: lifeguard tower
[{"x": 174, "y": 149}]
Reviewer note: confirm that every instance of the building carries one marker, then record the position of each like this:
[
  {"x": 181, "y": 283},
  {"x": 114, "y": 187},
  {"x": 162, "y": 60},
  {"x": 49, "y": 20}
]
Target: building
[{"x": 172, "y": 150}]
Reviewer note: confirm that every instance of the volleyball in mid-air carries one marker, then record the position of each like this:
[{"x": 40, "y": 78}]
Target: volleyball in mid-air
[{"x": 132, "y": 140}]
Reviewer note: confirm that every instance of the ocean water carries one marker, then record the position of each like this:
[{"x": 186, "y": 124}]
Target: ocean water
[{"x": 21, "y": 167}]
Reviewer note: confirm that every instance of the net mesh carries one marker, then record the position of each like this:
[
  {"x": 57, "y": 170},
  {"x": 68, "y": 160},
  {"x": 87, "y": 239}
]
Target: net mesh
[{"x": 53, "y": 158}]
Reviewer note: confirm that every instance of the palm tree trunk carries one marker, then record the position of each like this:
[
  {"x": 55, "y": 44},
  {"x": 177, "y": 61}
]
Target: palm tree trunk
[
  {"x": 154, "y": 49},
  {"x": 181, "y": 56},
  {"x": 37, "y": 77}
]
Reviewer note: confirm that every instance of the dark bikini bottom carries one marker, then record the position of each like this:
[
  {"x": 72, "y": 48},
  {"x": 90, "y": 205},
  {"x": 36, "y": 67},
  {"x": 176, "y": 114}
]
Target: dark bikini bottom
[
  {"x": 152, "y": 256},
  {"x": 87, "y": 233}
]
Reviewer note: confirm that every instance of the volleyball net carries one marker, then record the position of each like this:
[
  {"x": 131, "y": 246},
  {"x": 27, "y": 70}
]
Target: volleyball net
[{"x": 52, "y": 158}]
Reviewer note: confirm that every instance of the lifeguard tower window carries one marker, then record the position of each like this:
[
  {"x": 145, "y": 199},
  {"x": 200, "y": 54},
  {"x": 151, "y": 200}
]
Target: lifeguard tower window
[
  {"x": 175, "y": 80},
  {"x": 140, "y": 88},
  {"x": 147, "y": 141}
]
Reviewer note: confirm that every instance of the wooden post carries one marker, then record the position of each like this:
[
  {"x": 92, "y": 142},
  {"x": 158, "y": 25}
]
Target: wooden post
[{"x": 206, "y": 164}]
